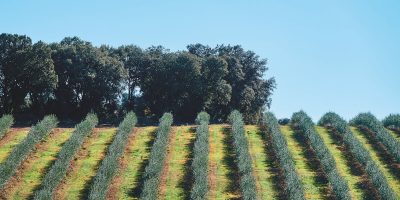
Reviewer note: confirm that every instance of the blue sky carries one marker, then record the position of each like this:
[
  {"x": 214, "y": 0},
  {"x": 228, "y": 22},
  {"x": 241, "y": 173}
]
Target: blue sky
[{"x": 338, "y": 55}]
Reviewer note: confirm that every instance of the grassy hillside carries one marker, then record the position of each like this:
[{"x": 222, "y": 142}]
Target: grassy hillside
[{"x": 175, "y": 181}]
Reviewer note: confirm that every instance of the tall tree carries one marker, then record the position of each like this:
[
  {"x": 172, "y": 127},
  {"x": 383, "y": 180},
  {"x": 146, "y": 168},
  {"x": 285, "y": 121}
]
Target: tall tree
[
  {"x": 243, "y": 86},
  {"x": 40, "y": 76},
  {"x": 251, "y": 92},
  {"x": 172, "y": 84},
  {"x": 89, "y": 79},
  {"x": 136, "y": 62},
  {"x": 14, "y": 50},
  {"x": 217, "y": 92}
]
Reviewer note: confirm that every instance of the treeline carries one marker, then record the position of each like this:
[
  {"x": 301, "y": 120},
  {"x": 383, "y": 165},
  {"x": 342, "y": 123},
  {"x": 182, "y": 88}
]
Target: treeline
[{"x": 72, "y": 78}]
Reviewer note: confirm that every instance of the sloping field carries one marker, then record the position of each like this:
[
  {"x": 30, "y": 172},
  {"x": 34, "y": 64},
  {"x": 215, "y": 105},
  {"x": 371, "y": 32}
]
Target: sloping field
[
  {"x": 176, "y": 176},
  {"x": 314, "y": 187},
  {"x": 345, "y": 165},
  {"x": 31, "y": 173},
  {"x": 390, "y": 170},
  {"x": 12, "y": 138}
]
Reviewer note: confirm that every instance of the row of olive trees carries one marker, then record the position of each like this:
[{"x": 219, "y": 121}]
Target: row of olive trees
[
  {"x": 20, "y": 152},
  {"x": 293, "y": 186},
  {"x": 369, "y": 122},
  {"x": 154, "y": 167},
  {"x": 59, "y": 168},
  {"x": 359, "y": 152},
  {"x": 303, "y": 124},
  {"x": 73, "y": 77},
  {"x": 109, "y": 165},
  {"x": 5, "y": 123},
  {"x": 243, "y": 159},
  {"x": 200, "y": 158},
  {"x": 392, "y": 121}
]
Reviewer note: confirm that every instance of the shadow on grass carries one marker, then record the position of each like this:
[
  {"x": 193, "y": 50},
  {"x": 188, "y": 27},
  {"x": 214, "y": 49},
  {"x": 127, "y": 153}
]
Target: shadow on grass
[
  {"x": 314, "y": 164},
  {"x": 43, "y": 174},
  {"x": 274, "y": 168},
  {"x": 84, "y": 194},
  {"x": 135, "y": 192},
  {"x": 356, "y": 169},
  {"x": 395, "y": 130},
  {"x": 229, "y": 160},
  {"x": 186, "y": 183},
  {"x": 382, "y": 152}
]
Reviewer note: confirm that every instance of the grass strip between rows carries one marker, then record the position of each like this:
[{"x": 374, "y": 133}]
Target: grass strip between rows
[
  {"x": 293, "y": 186},
  {"x": 370, "y": 122},
  {"x": 59, "y": 169},
  {"x": 360, "y": 153},
  {"x": 109, "y": 165},
  {"x": 20, "y": 152},
  {"x": 303, "y": 123}
]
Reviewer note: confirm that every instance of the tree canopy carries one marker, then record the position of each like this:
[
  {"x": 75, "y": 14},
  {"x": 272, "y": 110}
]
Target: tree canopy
[{"x": 73, "y": 77}]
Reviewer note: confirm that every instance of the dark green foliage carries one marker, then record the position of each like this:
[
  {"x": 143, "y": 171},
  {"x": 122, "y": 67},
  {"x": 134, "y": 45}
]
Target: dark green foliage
[
  {"x": 200, "y": 158},
  {"x": 243, "y": 159},
  {"x": 59, "y": 169},
  {"x": 156, "y": 161},
  {"x": 14, "y": 53},
  {"x": 284, "y": 121},
  {"x": 89, "y": 79},
  {"x": 27, "y": 75},
  {"x": 303, "y": 124},
  {"x": 109, "y": 165},
  {"x": 293, "y": 185},
  {"x": 37, "y": 133},
  {"x": 233, "y": 78},
  {"x": 72, "y": 77},
  {"x": 369, "y": 121},
  {"x": 392, "y": 121},
  {"x": 339, "y": 125},
  {"x": 42, "y": 77},
  {"x": 5, "y": 123}
]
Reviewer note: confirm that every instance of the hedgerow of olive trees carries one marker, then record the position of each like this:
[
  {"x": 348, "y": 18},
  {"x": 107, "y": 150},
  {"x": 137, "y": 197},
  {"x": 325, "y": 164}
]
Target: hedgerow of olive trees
[
  {"x": 5, "y": 123},
  {"x": 59, "y": 169},
  {"x": 392, "y": 121},
  {"x": 200, "y": 158},
  {"x": 243, "y": 159},
  {"x": 303, "y": 124},
  {"x": 360, "y": 153},
  {"x": 37, "y": 133},
  {"x": 369, "y": 121},
  {"x": 109, "y": 165},
  {"x": 293, "y": 185},
  {"x": 156, "y": 161}
]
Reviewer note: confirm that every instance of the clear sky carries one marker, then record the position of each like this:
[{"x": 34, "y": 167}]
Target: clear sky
[{"x": 337, "y": 55}]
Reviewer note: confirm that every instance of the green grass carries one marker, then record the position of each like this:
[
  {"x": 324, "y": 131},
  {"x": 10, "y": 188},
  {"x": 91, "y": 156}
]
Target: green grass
[
  {"x": 15, "y": 138},
  {"x": 342, "y": 164},
  {"x": 76, "y": 181},
  {"x": 263, "y": 167},
  {"x": 312, "y": 188},
  {"x": 222, "y": 179},
  {"x": 178, "y": 165},
  {"x": 137, "y": 152},
  {"x": 394, "y": 134},
  {"x": 32, "y": 175},
  {"x": 394, "y": 181},
  {"x": 218, "y": 167}
]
